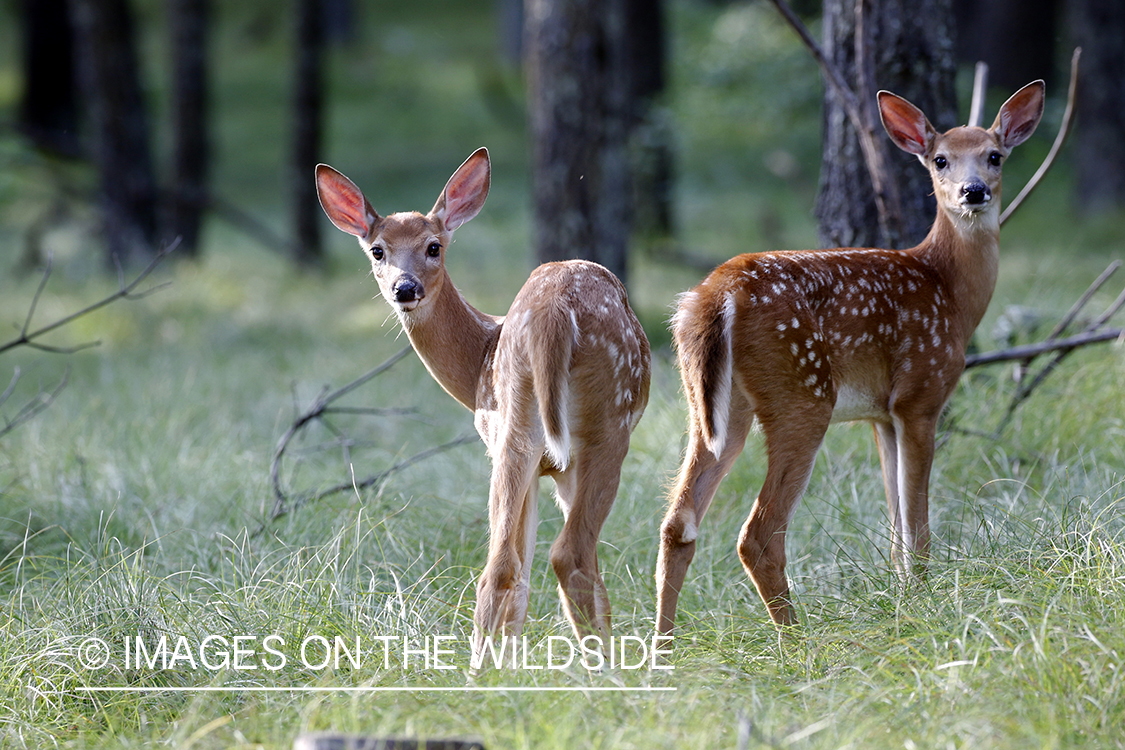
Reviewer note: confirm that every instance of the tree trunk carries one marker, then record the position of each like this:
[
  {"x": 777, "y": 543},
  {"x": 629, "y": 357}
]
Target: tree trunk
[
  {"x": 49, "y": 107},
  {"x": 909, "y": 50},
  {"x": 577, "y": 100},
  {"x": 650, "y": 133},
  {"x": 1099, "y": 27},
  {"x": 188, "y": 196},
  {"x": 307, "y": 131},
  {"x": 119, "y": 125},
  {"x": 1019, "y": 55}
]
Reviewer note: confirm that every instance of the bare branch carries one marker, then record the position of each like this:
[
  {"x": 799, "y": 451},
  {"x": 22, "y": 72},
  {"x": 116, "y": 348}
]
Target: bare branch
[
  {"x": 1093, "y": 333},
  {"x": 885, "y": 190},
  {"x": 41, "y": 401},
  {"x": 980, "y": 88},
  {"x": 316, "y": 411},
  {"x": 124, "y": 291},
  {"x": 376, "y": 479},
  {"x": 1081, "y": 303},
  {"x": 1060, "y": 139},
  {"x": 1034, "y": 350}
]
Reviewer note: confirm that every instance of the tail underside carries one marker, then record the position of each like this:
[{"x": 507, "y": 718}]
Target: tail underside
[
  {"x": 550, "y": 354},
  {"x": 701, "y": 329}
]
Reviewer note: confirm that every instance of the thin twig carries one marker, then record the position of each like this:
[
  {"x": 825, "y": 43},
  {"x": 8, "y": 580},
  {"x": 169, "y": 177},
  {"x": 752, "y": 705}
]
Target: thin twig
[
  {"x": 980, "y": 88},
  {"x": 1060, "y": 139},
  {"x": 124, "y": 291},
  {"x": 316, "y": 411},
  {"x": 381, "y": 477},
  {"x": 1076, "y": 308},
  {"x": 884, "y": 189},
  {"x": 35, "y": 406}
]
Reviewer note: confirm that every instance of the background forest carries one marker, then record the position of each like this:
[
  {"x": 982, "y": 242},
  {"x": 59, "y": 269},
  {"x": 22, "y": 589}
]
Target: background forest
[{"x": 136, "y": 498}]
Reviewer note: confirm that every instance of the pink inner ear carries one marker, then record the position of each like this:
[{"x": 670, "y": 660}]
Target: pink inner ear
[{"x": 344, "y": 204}]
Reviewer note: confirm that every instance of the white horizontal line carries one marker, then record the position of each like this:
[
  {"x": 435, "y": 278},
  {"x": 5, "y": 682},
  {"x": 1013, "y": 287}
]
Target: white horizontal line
[{"x": 402, "y": 689}]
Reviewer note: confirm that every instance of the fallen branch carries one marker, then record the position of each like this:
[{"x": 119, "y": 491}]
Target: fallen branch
[
  {"x": 321, "y": 408},
  {"x": 1094, "y": 332},
  {"x": 1019, "y": 353}
]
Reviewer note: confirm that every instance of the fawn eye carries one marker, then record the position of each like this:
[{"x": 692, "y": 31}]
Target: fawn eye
[
  {"x": 994, "y": 158},
  {"x": 376, "y": 252},
  {"x": 940, "y": 162},
  {"x": 434, "y": 250}
]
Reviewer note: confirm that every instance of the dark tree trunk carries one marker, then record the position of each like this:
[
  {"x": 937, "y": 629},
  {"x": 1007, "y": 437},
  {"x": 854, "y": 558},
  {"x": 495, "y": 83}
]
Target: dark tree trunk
[
  {"x": 650, "y": 133},
  {"x": 1019, "y": 55},
  {"x": 577, "y": 100},
  {"x": 1098, "y": 26},
  {"x": 307, "y": 131},
  {"x": 49, "y": 107},
  {"x": 910, "y": 52},
  {"x": 190, "y": 160},
  {"x": 119, "y": 126}
]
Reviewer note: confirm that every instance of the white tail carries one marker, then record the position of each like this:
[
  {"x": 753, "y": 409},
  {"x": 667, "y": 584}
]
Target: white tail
[
  {"x": 801, "y": 339},
  {"x": 556, "y": 387}
]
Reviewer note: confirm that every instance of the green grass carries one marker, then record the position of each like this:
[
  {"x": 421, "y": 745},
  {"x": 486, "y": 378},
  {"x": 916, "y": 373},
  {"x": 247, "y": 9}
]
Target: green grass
[{"x": 138, "y": 504}]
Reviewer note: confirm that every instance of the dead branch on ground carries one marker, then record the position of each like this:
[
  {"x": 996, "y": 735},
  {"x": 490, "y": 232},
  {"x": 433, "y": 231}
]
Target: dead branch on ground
[
  {"x": 319, "y": 411},
  {"x": 1092, "y": 333}
]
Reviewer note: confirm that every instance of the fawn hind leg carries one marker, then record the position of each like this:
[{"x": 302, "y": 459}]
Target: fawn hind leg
[
  {"x": 791, "y": 448},
  {"x": 504, "y": 586},
  {"x": 700, "y": 475},
  {"x": 586, "y": 491}
]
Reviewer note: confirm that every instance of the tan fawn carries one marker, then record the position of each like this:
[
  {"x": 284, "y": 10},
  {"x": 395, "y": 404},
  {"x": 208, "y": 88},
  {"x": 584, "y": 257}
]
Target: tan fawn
[
  {"x": 556, "y": 387},
  {"x": 800, "y": 339}
]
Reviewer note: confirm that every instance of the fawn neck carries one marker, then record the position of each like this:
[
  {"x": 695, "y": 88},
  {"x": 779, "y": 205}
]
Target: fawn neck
[
  {"x": 454, "y": 340},
  {"x": 964, "y": 250}
]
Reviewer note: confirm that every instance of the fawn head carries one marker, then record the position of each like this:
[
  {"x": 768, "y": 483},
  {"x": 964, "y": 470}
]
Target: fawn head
[
  {"x": 407, "y": 250},
  {"x": 964, "y": 162}
]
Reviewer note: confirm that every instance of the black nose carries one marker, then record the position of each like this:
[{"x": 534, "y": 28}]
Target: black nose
[
  {"x": 407, "y": 289},
  {"x": 976, "y": 193}
]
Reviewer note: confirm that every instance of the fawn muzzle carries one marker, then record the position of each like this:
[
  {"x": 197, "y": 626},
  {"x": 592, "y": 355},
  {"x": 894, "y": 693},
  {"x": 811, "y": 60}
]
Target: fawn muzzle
[
  {"x": 975, "y": 194},
  {"x": 407, "y": 291}
]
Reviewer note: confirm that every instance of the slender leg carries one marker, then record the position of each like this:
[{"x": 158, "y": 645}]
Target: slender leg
[
  {"x": 887, "y": 442},
  {"x": 916, "y": 456},
  {"x": 586, "y": 490},
  {"x": 503, "y": 588},
  {"x": 700, "y": 475},
  {"x": 791, "y": 448}
]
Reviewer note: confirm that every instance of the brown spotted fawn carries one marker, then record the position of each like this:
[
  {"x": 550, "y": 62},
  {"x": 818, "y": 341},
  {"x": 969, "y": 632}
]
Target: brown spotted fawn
[
  {"x": 556, "y": 387},
  {"x": 800, "y": 339}
]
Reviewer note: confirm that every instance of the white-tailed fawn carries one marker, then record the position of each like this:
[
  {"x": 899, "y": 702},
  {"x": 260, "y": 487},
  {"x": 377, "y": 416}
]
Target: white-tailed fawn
[
  {"x": 800, "y": 339},
  {"x": 556, "y": 387}
]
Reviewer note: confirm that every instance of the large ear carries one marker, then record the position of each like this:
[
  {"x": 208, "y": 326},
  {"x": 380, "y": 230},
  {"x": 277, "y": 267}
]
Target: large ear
[
  {"x": 905, "y": 124},
  {"x": 344, "y": 202},
  {"x": 1020, "y": 114},
  {"x": 465, "y": 192}
]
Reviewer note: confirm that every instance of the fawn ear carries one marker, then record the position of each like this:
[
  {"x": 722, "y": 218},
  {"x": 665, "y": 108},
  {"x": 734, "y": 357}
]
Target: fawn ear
[
  {"x": 344, "y": 202},
  {"x": 465, "y": 192},
  {"x": 905, "y": 124},
  {"x": 1020, "y": 114}
]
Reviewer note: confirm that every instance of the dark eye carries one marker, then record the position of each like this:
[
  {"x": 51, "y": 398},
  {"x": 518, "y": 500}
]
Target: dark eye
[
  {"x": 376, "y": 252},
  {"x": 434, "y": 250},
  {"x": 994, "y": 158},
  {"x": 940, "y": 162}
]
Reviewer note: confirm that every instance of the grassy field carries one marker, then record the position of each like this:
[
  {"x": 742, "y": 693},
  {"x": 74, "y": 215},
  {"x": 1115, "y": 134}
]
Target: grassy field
[{"x": 138, "y": 505}]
